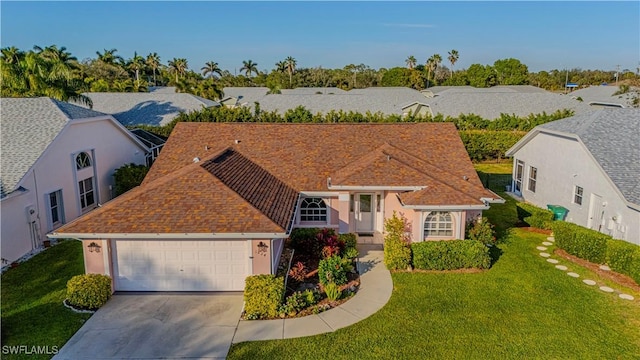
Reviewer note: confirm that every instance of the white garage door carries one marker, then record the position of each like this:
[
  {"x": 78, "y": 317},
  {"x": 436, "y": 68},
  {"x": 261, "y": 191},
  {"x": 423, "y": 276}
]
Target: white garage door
[{"x": 141, "y": 265}]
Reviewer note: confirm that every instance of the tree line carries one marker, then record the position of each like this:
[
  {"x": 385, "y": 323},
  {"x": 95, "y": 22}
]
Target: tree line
[
  {"x": 53, "y": 71},
  {"x": 484, "y": 139}
]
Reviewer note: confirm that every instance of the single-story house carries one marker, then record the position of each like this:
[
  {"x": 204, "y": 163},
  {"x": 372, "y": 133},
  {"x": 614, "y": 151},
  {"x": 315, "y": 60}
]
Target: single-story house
[
  {"x": 590, "y": 165},
  {"x": 58, "y": 161},
  {"x": 603, "y": 96},
  {"x": 218, "y": 203}
]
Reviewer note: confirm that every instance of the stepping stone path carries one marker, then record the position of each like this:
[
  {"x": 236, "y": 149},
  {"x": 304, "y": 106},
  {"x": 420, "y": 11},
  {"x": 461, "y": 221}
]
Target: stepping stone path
[
  {"x": 550, "y": 238},
  {"x": 626, "y": 297},
  {"x": 589, "y": 282},
  {"x": 606, "y": 289},
  {"x": 543, "y": 254},
  {"x": 561, "y": 267},
  {"x": 541, "y": 248},
  {"x": 546, "y": 243},
  {"x": 604, "y": 267},
  {"x": 553, "y": 261},
  {"x": 572, "y": 274}
]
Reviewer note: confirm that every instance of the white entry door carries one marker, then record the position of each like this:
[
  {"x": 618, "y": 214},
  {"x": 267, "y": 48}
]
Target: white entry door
[
  {"x": 177, "y": 265},
  {"x": 596, "y": 212},
  {"x": 365, "y": 213}
]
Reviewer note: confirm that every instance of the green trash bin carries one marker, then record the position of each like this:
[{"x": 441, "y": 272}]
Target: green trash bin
[{"x": 559, "y": 212}]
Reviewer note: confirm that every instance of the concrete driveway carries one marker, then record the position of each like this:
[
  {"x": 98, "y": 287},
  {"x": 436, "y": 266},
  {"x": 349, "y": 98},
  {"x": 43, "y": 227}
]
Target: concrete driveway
[{"x": 158, "y": 326}]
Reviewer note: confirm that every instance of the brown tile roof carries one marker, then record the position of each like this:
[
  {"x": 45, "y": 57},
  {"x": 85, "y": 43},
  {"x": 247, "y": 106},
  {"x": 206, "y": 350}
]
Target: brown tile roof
[
  {"x": 257, "y": 186},
  {"x": 190, "y": 200},
  {"x": 252, "y": 172}
]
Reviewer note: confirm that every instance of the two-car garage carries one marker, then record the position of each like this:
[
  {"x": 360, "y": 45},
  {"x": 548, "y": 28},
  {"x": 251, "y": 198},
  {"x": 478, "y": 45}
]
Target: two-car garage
[{"x": 180, "y": 265}]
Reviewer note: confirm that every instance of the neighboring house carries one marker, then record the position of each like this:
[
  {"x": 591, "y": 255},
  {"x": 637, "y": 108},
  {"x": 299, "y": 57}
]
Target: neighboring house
[
  {"x": 242, "y": 96},
  {"x": 155, "y": 108},
  {"x": 58, "y": 161},
  {"x": 220, "y": 200},
  {"x": 589, "y": 164},
  {"x": 603, "y": 96}
]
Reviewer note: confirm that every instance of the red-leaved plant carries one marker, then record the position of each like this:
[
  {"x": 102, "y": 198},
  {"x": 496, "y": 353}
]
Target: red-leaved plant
[{"x": 298, "y": 272}]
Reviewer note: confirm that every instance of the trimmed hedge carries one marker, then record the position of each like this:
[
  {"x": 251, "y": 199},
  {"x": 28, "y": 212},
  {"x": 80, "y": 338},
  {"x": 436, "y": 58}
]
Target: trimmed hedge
[
  {"x": 535, "y": 216},
  {"x": 450, "y": 255},
  {"x": 581, "y": 242},
  {"x": 89, "y": 291},
  {"x": 624, "y": 257},
  {"x": 262, "y": 296}
]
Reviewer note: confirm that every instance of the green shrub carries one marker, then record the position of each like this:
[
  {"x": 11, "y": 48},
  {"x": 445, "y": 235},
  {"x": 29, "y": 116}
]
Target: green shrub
[
  {"x": 351, "y": 253},
  {"x": 333, "y": 291},
  {"x": 349, "y": 240},
  {"x": 334, "y": 269},
  {"x": 581, "y": 242},
  {"x": 262, "y": 296},
  {"x": 450, "y": 255},
  {"x": 88, "y": 291},
  {"x": 294, "y": 303},
  {"x": 482, "y": 230},
  {"x": 304, "y": 241},
  {"x": 311, "y": 297},
  {"x": 129, "y": 176},
  {"x": 535, "y": 216},
  {"x": 624, "y": 257},
  {"x": 397, "y": 251}
]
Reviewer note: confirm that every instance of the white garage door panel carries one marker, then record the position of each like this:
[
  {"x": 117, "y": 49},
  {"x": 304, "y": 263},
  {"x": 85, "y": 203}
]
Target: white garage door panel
[{"x": 180, "y": 265}]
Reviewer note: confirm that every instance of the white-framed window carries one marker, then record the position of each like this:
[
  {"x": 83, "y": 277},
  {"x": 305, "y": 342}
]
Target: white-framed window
[
  {"x": 313, "y": 209},
  {"x": 533, "y": 176},
  {"x": 56, "y": 209},
  {"x": 83, "y": 160},
  {"x": 438, "y": 223},
  {"x": 87, "y": 194},
  {"x": 577, "y": 195}
]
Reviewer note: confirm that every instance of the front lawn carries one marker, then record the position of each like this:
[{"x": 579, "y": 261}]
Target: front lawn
[
  {"x": 521, "y": 308},
  {"x": 32, "y": 295}
]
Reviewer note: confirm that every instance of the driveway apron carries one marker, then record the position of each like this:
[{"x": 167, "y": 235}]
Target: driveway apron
[{"x": 158, "y": 326}]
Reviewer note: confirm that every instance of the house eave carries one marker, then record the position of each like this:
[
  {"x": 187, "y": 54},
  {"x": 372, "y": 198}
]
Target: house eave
[
  {"x": 446, "y": 207},
  {"x": 160, "y": 236},
  {"x": 376, "y": 188}
]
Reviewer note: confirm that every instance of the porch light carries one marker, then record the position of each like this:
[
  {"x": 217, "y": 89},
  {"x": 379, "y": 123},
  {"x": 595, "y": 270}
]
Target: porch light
[
  {"x": 262, "y": 248},
  {"x": 93, "y": 247}
]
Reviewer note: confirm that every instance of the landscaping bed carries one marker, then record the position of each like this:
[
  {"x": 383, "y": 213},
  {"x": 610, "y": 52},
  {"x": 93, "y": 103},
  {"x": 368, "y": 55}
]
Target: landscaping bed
[{"x": 316, "y": 272}]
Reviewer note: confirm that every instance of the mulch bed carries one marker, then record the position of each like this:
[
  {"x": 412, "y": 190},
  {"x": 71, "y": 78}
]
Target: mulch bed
[{"x": 618, "y": 278}]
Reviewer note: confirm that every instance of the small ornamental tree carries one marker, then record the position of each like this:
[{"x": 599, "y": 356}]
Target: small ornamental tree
[
  {"x": 397, "y": 250},
  {"x": 481, "y": 230}
]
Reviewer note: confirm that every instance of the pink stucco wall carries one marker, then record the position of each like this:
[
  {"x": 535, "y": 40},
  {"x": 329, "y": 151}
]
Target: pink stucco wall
[
  {"x": 391, "y": 204},
  {"x": 94, "y": 261},
  {"x": 261, "y": 261},
  {"x": 334, "y": 216}
]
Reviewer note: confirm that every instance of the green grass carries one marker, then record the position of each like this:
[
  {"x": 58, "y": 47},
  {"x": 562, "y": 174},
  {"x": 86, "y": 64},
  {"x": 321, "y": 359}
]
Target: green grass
[
  {"x": 521, "y": 308},
  {"x": 32, "y": 295}
]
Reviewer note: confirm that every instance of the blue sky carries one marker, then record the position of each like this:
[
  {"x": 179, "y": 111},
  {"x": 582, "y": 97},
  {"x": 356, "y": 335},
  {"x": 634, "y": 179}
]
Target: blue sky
[{"x": 543, "y": 35}]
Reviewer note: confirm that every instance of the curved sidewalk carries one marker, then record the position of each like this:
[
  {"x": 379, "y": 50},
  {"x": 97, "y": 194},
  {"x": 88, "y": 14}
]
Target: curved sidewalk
[{"x": 374, "y": 292}]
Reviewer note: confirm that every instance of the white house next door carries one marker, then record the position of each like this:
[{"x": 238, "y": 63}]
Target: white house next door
[{"x": 364, "y": 213}]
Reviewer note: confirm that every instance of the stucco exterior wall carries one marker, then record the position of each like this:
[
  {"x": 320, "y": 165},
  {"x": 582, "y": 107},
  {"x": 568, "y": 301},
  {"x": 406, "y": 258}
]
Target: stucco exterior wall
[
  {"x": 55, "y": 170},
  {"x": 391, "y": 204},
  {"x": 94, "y": 262},
  {"x": 564, "y": 163},
  {"x": 261, "y": 261}
]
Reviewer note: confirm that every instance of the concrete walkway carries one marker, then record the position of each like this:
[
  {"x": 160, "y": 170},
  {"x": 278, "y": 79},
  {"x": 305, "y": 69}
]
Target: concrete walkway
[{"x": 374, "y": 292}]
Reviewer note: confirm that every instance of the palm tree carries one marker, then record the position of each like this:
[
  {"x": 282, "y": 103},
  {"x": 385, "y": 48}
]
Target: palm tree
[
  {"x": 210, "y": 68},
  {"x": 60, "y": 62},
  {"x": 453, "y": 57},
  {"x": 432, "y": 64},
  {"x": 411, "y": 62},
  {"x": 281, "y": 66},
  {"x": 153, "y": 62},
  {"x": 109, "y": 56},
  {"x": 249, "y": 67},
  {"x": 178, "y": 66},
  {"x": 291, "y": 67},
  {"x": 136, "y": 64}
]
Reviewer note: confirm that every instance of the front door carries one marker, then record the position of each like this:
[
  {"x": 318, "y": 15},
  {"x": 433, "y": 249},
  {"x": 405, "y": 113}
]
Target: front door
[
  {"x": 596, "y": 212},
  {"x": 365, "y": 215}
]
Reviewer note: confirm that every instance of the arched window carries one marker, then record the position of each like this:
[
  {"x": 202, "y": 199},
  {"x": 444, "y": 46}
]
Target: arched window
[
  {"x": 313, "y": 209},
  {"x": 438, "y": 223},
  {"x": 83, "y": 161}
]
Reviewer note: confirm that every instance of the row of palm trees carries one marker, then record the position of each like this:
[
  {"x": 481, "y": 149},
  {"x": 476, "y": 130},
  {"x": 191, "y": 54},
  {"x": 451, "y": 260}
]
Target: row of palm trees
[{"x": 433, "y": 62}]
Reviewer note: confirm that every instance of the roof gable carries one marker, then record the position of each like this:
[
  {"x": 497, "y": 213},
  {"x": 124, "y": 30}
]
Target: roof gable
[{"x": 28, "y": 127}]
